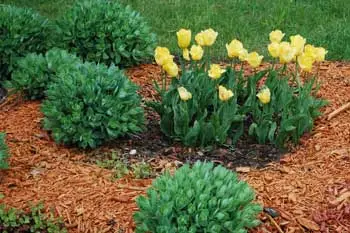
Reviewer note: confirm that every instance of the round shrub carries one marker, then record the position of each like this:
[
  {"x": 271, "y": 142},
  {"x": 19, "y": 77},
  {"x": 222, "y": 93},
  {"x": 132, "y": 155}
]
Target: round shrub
[
  {"x": 34, "y": 72},
  {"x": 22, "y": 31},
  {"x": 106, "y": 32},
  {"x": 202, "y": 199},
  {"x": 91, "y": 105}
]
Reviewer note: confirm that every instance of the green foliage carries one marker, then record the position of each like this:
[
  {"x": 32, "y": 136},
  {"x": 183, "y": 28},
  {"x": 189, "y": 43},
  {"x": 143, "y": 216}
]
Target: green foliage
[
  {"x": 35, "y": 72},
  {"x": 290, "y": 113},
  {"x": 106, "y": 32},
  {"x": 13, "y": 220},
  {"x": 91, "y": 105},
  {"x": 3, "y": 152},
  {"x": 141, "y": 170},
  {"x": 201, "y": 199},
  {"x": 22, "y": 31},
  {"x": 204, "y": 119},
  {"x": 118, "y": 167}
]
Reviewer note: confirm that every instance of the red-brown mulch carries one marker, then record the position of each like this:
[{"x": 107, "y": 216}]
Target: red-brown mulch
[{"x": 310, "y": 187}]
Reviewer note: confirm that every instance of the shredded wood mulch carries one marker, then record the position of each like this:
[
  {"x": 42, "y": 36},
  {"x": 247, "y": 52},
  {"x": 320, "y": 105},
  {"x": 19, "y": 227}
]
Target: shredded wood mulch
[{"x": 309, "y": 188}]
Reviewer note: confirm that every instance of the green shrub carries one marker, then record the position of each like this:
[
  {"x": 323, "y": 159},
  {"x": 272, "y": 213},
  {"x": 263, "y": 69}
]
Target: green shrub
[
  {"x": 3, "y": 152},
  {"x": 13, "y": 220},
  {"x": 106, "y": 32},
  {"x": 22, "y": 31},
  {"x": 91, "y": 105},
  {"x": 201, "y": 199},
  {"x": 35, "y": 71}
]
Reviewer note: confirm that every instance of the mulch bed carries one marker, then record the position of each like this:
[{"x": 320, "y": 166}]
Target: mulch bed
[{"x": 309, "y": 187}]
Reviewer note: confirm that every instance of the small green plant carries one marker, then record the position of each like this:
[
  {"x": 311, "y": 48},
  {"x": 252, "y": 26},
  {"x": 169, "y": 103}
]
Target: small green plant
[
  {"x": 13, "y": 220},
  {"x": 35, "y": 72},
  {"x": 203, "y": 198},
  {"x": 106, "y": 32},
  {"x": 141, "y": 170},
  {"x": 3, "y": 152},
  {"x": 91, "y": 105},
  {"x": 118, "y": 167},
  {"x": 22, "y": 31}
]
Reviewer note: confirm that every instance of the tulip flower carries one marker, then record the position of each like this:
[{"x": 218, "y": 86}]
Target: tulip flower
[
  {"x": 276, "y": 36},
  {"x": 305, "y": 62},
  {"x": 234, "y": 48},
  {"x": 274, "y": 49},
  {"x": 183, "y": 38},
  {"x": 286, "y": 53},
  {"x": 184, "y": 93},
  {"x": 224, "y": 93},
  {"x": 215, "y": 71},
  {"x": 243, "y": 54},
  {"x": 196, "y": 52},
  {"x": 320, "y": 53},
  {"x": 206, "y": 38},
  {"x": 254, "y": 59},
  {"x": 171, "y": 69},
  {"x": 264, "y": 95},
  {"x": 162, "y": 55},
  {"x": 298, "y": 43},
  {"x": 186, "y": 54}
]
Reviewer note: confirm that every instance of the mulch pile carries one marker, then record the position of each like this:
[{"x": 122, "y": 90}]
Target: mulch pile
[{"x": 309, "y": 187}]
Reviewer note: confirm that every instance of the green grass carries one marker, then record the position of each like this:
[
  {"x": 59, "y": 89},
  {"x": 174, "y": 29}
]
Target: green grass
[{"x": 323, "y": 22}]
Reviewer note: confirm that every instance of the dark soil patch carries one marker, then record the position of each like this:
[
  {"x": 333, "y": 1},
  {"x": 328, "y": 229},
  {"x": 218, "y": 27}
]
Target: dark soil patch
[{"x": 153, "y": 145}]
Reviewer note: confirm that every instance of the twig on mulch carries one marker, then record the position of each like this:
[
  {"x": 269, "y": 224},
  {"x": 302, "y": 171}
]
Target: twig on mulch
[
  {"x": 338, "y": 111},
  {"x": 131, "y": 187},
  {"x": 275, "y": 224}
]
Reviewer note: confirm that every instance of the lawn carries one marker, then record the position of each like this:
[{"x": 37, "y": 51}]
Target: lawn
[{"x": 324, "y": 23}]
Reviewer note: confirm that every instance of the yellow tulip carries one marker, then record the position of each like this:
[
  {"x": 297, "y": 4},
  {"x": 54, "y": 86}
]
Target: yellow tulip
[
  {"x": 215, "y": 71},
  {"x": 243, "y": 54},
  {"x": 196, "y": 52},
  {"x": 254, "y": 59},
  {"x": 199, "y": 38},
  {"x": 305, "y": 62},
  {"x": 186, "y": 54},
  {"x": 286, "y": 53},
  {"x": 298, "y": 42},
  {"x": 274, "y": 49},
  {"x": 210, "y": 37},
  {"x": 234, "y": 48},
  {"x": 224, "y": 93},
  {"x": 183, "y": 38},
  {"x": 206, "y": 38},
  {"x": 276, "y": 36},
  {"x": 264, "y": 95},
  {"x": 320, "y": 53},
  {"x": 184, "y": 93},
  {"x": 162, "y": 55},
  {"x": 171, "y": 69},
  {"x": 310, "y": 50}
]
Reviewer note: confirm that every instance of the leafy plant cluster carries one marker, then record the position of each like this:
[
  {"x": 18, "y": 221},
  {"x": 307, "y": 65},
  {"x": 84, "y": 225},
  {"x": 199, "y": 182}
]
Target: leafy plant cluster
[
  {"x": 121, "y": 168},
  {"x": 13, "y": 220},
  {"x": 203, "y": 198},
  {"x": 35, "y": 72},
  {"x": 99, "y": 31},
  {"x": 3, "y": 152},
  {"x": 22, "y": 31},
  {"x": 106, "y": 32},
  {"x": 207, "y": 103},
  {"x": 92, "y": 104}
]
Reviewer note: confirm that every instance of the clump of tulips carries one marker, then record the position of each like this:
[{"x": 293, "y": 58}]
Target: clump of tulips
[{"x": 207, "y": 103}]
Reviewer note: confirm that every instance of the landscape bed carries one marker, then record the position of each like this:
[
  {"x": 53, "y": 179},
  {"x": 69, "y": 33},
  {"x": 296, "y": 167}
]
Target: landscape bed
[
  {"x": 96, "y": 137},
  {"x": 305, "y": 187}
]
